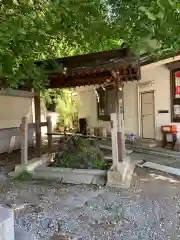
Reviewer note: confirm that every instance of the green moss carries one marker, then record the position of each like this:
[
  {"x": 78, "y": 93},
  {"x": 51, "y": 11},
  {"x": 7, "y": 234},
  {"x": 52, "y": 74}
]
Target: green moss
[{"x": 23, "y": 176}]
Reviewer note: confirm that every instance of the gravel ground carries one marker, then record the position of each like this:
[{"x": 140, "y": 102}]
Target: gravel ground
[{"x": 149, "y": 210}]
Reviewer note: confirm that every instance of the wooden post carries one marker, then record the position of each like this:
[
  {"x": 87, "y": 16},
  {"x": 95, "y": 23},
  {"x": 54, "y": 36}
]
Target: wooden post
[
  {"x": 24, "y": 140},
  {"x": 37, "y": 104},
  {"x": 49, "y": 130},
  {"x": 114, "y": 143},
  {"x": 120, "y": 137}
]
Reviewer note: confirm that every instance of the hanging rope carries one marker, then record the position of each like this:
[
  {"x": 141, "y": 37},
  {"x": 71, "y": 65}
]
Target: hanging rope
[{"x": 97, "y": 95}]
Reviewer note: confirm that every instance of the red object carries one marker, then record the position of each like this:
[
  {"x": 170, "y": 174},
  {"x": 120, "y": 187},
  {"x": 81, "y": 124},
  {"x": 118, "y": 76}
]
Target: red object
[
  {"x": 177, "y": 89},
  {"x": 169, "y": 128},
  {"x": 177, "y": 74},
  {"x": 166, "y": 130}
]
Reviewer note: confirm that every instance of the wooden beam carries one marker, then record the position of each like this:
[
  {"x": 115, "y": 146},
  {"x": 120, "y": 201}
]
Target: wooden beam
[
  {"x": 56, "y": 82},
  {"x": 16, "y": 93},
  {"x": 75, "y": 82},
  {"x": 37, "y": 103},
  {"x": 128, "y": 71},
  {"x": 120, "y": 132},
  {"x": 78, "y": 60},
  {"x": 24, "y": 140},
  {"x": 173, "y": 65},
  {"x": 33, "y": 125}
]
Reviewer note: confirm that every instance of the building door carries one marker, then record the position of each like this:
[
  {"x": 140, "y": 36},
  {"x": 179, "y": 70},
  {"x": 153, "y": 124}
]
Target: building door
[{"x": 147, "y": 115}]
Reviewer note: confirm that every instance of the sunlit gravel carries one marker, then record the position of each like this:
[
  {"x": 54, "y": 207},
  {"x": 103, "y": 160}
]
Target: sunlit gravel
[{"x": 149, "y": 210}]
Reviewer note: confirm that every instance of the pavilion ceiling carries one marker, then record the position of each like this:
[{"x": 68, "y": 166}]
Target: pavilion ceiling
[{"x": 92, "y": 69}]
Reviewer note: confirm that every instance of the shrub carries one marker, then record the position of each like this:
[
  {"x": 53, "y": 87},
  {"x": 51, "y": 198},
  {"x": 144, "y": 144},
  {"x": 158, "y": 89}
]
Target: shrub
[{"x": 81, "y": 153}]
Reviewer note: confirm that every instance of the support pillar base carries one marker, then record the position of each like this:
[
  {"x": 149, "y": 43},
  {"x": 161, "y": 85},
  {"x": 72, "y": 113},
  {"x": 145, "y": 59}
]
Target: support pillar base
[{"x": 121, "y": 175}]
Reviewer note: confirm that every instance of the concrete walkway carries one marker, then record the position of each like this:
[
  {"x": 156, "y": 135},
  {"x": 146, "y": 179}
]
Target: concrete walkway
[
  {"x": 166, "y": 161},
  {"x": 157, "y": 155}
]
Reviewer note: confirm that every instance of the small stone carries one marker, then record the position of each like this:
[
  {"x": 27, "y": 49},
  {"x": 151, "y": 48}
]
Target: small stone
[
  {"x": 114, "y": 222},
  {"x": 161, "y": 219},
  {"x": 50, "y": 225},
  {"x": 45, "y": 223},
  {"x": 119, "y": 231},
  {"x": 108, "y": 208}
]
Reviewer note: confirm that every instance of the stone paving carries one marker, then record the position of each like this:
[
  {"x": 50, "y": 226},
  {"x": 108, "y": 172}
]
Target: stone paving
[
  {"x": 171, "y": 158},
  {"x": 150, "y": 209},
  {"x": 167, "y": 161}
]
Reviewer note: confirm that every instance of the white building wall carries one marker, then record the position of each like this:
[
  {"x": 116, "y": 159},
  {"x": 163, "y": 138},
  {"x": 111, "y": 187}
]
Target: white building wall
[
  {"x": 12, "y": 110},
  {"x": 88, "y": 108},
  {"x": 130, "y": 97},
  {"x": 161, "y": 77}
]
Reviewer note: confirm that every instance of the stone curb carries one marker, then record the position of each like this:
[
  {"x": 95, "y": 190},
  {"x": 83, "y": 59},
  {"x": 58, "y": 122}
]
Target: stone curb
[
  {"x": 32, "y": 164},
  {"x": 70, "y": 175},
  {"x": 162, "y": 168}
]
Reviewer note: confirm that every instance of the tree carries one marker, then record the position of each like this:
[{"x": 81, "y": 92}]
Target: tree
[
  {"x": 33, "y": 30},
  {"x": 147, "y": 25},
  {"x": 51, "y": 97},
  {"x": 67, "y": 109}
]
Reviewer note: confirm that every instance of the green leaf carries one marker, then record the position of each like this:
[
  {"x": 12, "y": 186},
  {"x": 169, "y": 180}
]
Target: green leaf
[
  {"x": 172, "y": 2},
  {"x": 165, "y": 4},
  {"x": 22, "y": 31},
  {"x": 160, "y": 15},
  {"x": 37, "y": 30},
  {"x": 150, "y": 15},
  {"x": 143, "y": 9},
  {"x": 160, "y": 3},
  {"x": 15, "y": 2}
]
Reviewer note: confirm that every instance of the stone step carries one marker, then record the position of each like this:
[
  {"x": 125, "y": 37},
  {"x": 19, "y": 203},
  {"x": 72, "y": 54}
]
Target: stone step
[
  {"x": 6, "y": 224},
  {"x": 107, "y": 147},
  {"x": 21, "y": 234},
  {"x": 144, "y": 143},
  {"x": 152, "y": 151},
  {"x": 157, "y": 151},
  {"x": 162, "y": 168},
  {"x": 7, "y": 230}
]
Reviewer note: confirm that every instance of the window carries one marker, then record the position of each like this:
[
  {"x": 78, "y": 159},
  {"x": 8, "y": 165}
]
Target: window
[
  {"x": 106, "y": 104},
  {"x": 175, "y": 95}
]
